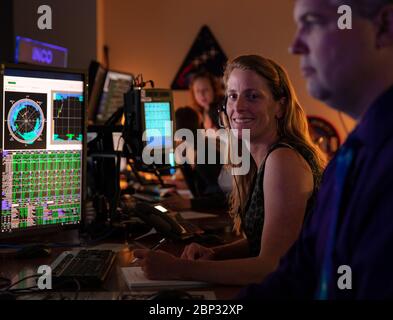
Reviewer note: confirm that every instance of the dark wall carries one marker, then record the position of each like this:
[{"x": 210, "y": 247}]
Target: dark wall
[
  {"x": 6, "y": 31},
  {"x": 73, "y": 27}
]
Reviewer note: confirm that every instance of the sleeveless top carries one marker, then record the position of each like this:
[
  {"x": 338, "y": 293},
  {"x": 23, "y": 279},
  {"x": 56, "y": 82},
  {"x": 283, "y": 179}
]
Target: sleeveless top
[{"x": 253, "y": 219}]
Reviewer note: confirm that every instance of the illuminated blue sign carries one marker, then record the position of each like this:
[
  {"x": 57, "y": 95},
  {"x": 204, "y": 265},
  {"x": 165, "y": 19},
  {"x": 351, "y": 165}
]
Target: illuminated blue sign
[
  {"x": 36, "y": 52},
  {"x": 42, "y": 55}
]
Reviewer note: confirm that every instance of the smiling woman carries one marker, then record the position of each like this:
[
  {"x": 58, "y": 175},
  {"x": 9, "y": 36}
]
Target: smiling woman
[
  {"x": 251, "y": 105},
  {"x": 261, "y": 98},
  {"x": 270, "y": 202}
]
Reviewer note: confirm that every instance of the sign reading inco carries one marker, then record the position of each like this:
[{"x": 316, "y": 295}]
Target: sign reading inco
[{"x": 36, "y": 52}]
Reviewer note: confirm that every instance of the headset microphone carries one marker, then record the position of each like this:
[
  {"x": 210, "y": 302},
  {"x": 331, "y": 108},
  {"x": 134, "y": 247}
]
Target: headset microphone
[{"x": 223, "y": 116}]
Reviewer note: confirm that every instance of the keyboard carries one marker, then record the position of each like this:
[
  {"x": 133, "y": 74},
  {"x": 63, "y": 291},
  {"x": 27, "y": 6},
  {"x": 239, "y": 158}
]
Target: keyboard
[{"x": 88, "y": 268}]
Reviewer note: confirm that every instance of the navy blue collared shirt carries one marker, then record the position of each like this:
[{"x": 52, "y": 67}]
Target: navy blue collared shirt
[{"x": 364, "y": 233}]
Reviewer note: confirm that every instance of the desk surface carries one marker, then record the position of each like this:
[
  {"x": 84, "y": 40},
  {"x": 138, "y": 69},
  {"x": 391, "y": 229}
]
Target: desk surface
[{"x": 13, "y": 268}]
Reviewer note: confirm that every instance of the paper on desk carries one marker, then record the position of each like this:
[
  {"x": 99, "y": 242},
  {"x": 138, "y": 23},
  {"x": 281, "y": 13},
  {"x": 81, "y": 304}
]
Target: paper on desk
[
  {"x": 190, "y": 215},
  {"x": 136, "y": 279}
]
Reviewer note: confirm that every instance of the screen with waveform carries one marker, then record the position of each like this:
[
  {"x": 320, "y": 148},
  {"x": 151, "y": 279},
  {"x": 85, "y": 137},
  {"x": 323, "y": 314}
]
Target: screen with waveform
[
  {"x": 67, "y": 117},
  {"x": 41, "y": 143}
]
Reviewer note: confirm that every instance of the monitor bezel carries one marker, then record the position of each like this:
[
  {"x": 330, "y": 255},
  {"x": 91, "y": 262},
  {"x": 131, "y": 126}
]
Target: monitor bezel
[
  {"x": 172, "y": 112},
  {"x": 94, "y": 117},
  {"x": 37, "y": 232}
]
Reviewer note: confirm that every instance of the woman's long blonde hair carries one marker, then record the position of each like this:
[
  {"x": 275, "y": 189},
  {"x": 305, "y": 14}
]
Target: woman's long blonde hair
[{"x": 292, "y": 127}]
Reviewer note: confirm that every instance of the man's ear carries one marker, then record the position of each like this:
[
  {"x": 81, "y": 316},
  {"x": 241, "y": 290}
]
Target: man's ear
[{"x": 384, "y": 22}]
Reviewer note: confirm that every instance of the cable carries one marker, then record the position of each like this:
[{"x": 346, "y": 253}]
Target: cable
[
  {"x": 49, "y": 245},
  {"x": 143, "y": 84},
  {"x": 57, "y": 288},
  {"x": 25, "y": 290},
  {"x": 4, "y": 282},
  {"x": 138, "y": 82},
  {"x": 21, "y": 280},
  {"x": 118, "y": 142},
  {"x": 163, "y": 168},
  {"x": 10, "y": 246},
  {"x": 29, "y": 289},
  {"x": 78, "y": 288},
  {"x": 64, "y": 245}
]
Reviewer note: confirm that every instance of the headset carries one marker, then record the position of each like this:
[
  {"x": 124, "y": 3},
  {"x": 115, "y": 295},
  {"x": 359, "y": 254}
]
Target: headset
[{"x": 223, "y": 118}]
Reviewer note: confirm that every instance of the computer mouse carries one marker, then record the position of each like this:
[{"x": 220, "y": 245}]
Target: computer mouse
[
  {"x": 33, "y": 252},
  {"x": 165, "y": 295}
]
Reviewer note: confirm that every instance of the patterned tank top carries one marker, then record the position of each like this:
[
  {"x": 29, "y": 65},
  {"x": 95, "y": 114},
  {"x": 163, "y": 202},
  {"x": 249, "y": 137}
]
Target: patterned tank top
[{"x": 253, "y": 220}]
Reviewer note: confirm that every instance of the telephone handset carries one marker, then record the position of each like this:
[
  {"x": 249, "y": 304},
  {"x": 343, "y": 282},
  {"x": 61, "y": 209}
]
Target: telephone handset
[{"x": 159, "y": 217}]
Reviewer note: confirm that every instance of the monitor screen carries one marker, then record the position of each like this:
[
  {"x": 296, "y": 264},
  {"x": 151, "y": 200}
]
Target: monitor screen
[
  {"x": 157, "y": 117},
  {"x": 158, "y": 124},
  {"x": 148, "y": 124},
  {"x": 112, "y": 96},
  {"x": 42, "y": 139}
]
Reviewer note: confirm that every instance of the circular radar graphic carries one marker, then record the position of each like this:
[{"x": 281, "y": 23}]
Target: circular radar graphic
[{"x": 25, "y": 121}]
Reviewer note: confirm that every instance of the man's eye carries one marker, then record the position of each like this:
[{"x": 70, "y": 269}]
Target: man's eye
[
  {"x": 232, "y": 96},
  {"x": 252, "y": 96},
  {"x": 310, "y": 21},
  {"x": 310, "y": 24}
]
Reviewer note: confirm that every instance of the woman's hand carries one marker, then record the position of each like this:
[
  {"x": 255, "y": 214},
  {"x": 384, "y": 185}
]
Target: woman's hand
[
  {"x": 158, "y": 265},
  {"x": 195, "y": 251}
]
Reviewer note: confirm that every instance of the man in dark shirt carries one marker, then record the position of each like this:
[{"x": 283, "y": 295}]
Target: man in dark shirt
[{"x": 345, "y": 249}]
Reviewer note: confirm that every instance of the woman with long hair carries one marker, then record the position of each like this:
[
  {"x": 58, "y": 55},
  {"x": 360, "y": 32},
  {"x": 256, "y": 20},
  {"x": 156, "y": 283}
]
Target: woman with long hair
[
  {"x": 270, "y": 202},
  {"x": 206, "y": 95}
]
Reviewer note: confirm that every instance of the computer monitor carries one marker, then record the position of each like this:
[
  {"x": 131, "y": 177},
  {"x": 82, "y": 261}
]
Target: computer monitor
[
  {"x": 150, "y": 111},
  {"x": 42, "y": 142},
  {"x": 116, "y": 84},
  {"x": 97, "y": 75}
]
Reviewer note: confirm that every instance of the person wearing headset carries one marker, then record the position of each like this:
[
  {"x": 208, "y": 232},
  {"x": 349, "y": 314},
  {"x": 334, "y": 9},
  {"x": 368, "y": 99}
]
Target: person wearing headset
[
  {"x": 270, "y": 203},
  {"x": 206, "y": 97}
]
